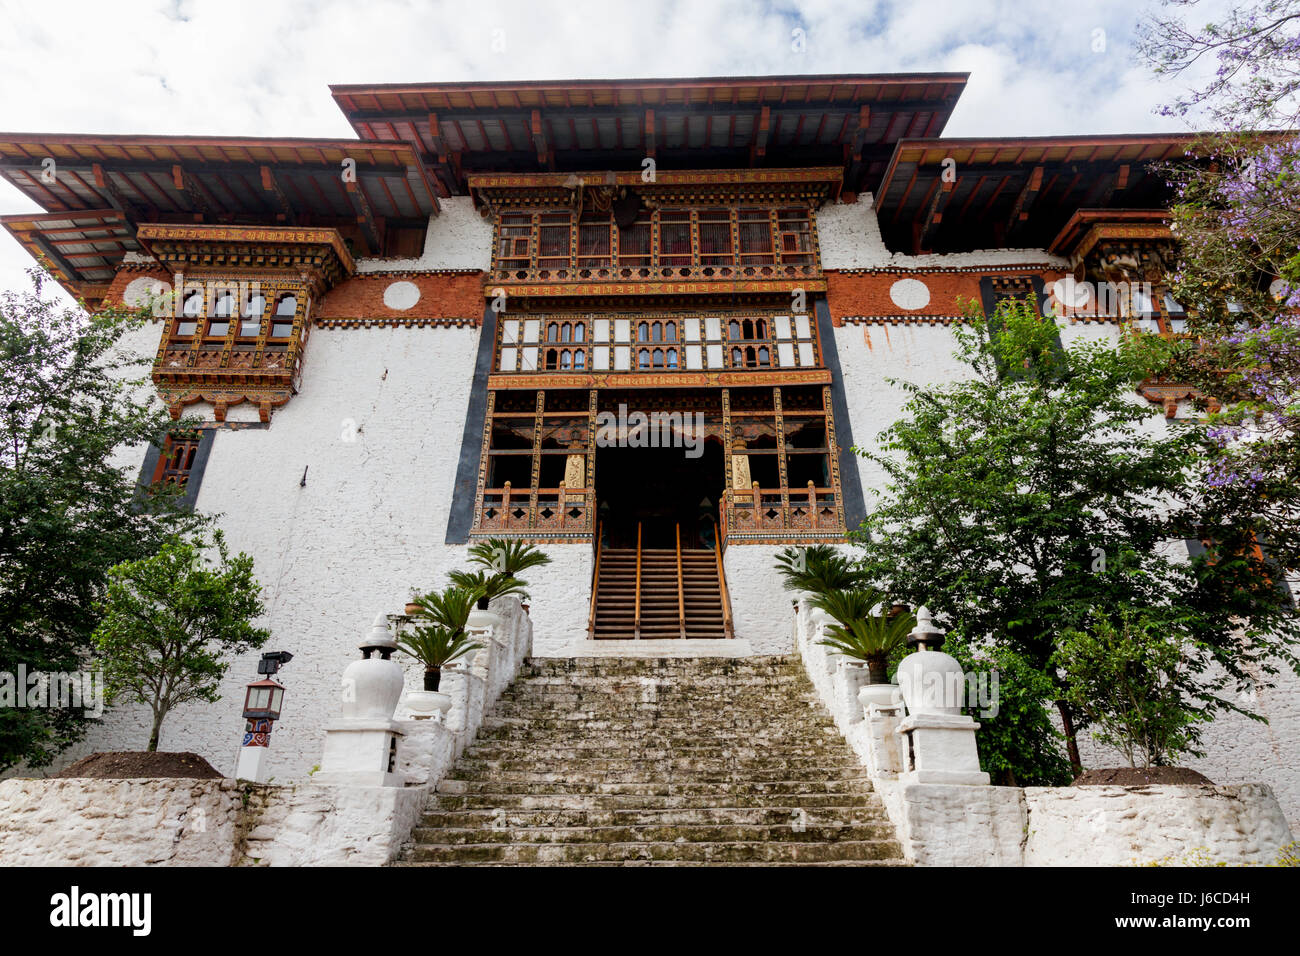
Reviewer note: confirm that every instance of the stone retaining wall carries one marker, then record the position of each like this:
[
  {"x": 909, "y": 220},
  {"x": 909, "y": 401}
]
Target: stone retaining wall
[
  {"x": 944, "y": 825},
  {"x": 83, "y": 821}
]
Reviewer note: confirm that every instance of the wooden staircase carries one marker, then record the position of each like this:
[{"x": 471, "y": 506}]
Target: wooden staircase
[{"x": 657, "y": 593}]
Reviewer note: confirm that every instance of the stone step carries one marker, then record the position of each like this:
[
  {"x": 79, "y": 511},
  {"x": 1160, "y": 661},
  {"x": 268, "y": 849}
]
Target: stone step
[
  {"x": 544, "y": 797},
  {"x": 717, "y": 791},
  {"x": 546, "y": 749},
  {"x": 736, "y": 777},
  {"x": 537, "y": 729},
  {"x": 728, "y": 852},
  {"x": 656, "y": 761},
  {"x": 685, "y": 833},
  {"x": 658, "y": 863},
  {"x": 518, "y": 818}
]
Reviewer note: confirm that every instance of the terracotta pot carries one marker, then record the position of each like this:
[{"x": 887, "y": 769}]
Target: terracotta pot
[{"x": 412, "y": 609}]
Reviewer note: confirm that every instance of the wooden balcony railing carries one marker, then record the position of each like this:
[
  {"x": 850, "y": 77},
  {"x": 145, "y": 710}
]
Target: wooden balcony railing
[
  {"x": 554, "y": 509},
  {"x": 769, "y": 509}
]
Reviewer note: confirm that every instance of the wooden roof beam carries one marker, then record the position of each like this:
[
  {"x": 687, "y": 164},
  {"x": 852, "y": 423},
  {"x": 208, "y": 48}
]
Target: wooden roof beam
[
  {"x": 1113, "y": 184},
  {"x": 934, "y": 214},
  {"x": 116, "y": 198},
  {"x": 545, "y": 152},
  {"x": 649, "y": 133},
  {"x": 1024, "y": 202},
  {"x": 435, "y": 136},
  {"x": 271, "y": 185},
  {"x": 365, "y": 216},
  {"x": 761, "y": 132}
]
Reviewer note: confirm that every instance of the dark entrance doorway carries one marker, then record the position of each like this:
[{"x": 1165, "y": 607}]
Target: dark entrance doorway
[{"x": 661, "y": 489}]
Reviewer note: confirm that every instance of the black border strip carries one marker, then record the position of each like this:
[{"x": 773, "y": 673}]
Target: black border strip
[
  {"x": 851, "y": 496},
  {"x": 460, "y": 518}
]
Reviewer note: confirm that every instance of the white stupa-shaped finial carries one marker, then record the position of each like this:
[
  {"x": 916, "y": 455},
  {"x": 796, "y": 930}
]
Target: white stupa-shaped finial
[{"x": 925, "y": 635}]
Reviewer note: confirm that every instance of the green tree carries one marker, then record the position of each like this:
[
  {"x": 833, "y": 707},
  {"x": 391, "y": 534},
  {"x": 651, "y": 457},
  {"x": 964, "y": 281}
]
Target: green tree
[
  {"x": 1137, "y": 684},
  {"x": 1018, "y": 744},
  {"x": 1030, "y": 493},
  {"x": 171, "y": 621},
  {"x": 70, "y": 401}
]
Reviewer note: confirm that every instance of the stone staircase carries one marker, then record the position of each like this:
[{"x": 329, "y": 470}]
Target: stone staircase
[
  {"x": 668, "y": 761},
  {"x": 616, "y": 593}
]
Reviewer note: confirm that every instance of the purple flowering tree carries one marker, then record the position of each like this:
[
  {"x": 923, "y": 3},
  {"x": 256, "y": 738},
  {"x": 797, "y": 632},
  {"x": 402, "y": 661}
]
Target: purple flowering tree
[{"x": 1237, "y": 219}]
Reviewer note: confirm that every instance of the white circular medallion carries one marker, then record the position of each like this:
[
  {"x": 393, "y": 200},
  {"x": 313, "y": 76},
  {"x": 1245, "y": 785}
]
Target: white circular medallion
[
  {"x": 401, "y": 295},
  {"x": 140, "y": 290},
  {"x": 910, "y": 294}
]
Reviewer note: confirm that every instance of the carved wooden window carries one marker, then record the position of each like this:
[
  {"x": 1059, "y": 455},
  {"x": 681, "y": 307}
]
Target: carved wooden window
[
  {"x": 675, "y": 237},
  {"x": 513, "y": 240},
  {"x": 755, "y": 230},
  {"x": 668, "y": 240},
  {"x": 250, "y": 325},
  {"x": 282, "y": 322},
  {"x": 594, "y": 241},
  {"x": 222, "y": 312},
  {"x": 795, "y": 234},
  {"x": 176, "y": 461},
  {"x": 634, "y": 244},
  {"x": 715, "y": 237},
  {"x": 191, "y": 315},
  {"x": 553, "y": 241}
]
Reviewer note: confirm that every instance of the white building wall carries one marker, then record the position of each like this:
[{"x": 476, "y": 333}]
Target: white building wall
[
  {"x": 848, "y": 235},
  {"x": 377, "y": 426},
  {"x": 458, "y": 238}
]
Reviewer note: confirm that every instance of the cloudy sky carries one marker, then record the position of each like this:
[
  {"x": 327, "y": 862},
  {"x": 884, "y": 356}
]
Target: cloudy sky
[{"x": 263, "y": 67}]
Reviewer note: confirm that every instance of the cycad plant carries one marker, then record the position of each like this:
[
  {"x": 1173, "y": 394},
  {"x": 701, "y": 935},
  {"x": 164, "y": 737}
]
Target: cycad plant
[
  {"x": 489, "y": 586},
  {"x": 448, "y": 608},
  {"x": 435, "y": 646},
  {"x": 864, "y": 630},
  {"x": 438, "y": 636},
  {"x": 818, "y": 569},
  {"x": 507, "y": 556}
]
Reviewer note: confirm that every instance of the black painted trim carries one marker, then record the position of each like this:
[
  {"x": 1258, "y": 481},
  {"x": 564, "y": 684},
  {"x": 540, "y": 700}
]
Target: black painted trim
[
  {"x": 851, "y": 496},
  {"x": 460, "y": 518},
  {"x": 195, "y": 479}
]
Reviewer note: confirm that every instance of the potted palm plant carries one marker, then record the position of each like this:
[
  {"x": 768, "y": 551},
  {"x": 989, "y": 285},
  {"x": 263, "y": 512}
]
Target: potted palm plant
[
  {"x": 507, "y": 556},
  {"x": 437, "y": 636},
  {"x": 489, "y": 586},
  {"x": 817, "y": 569},
  {"x": 864, "y": 631}
]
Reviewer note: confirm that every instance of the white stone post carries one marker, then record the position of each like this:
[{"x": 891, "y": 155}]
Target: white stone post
[
  {"x": 937, "y": 741},
  {"x": 361, "y": 747}
]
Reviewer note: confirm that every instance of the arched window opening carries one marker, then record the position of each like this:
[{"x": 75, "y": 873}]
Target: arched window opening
[
  {"x": 285, "y": 310},
  {"x": 252, "y": 322}
]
